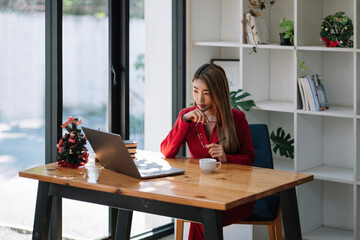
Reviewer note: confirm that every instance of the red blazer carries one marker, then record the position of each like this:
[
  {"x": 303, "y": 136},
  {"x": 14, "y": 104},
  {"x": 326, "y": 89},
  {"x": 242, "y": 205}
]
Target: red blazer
[{"x": 186, "y": 132}]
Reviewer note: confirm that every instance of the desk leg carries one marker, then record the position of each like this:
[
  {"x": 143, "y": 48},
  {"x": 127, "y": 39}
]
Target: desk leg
[
  {"x": 56, "y": 219},
  {"x": 212, "y": 224},
  {"x": 123, "y": 227},
  {"x": 290, "y": 214},
  {"x": 42, "y": 212}
]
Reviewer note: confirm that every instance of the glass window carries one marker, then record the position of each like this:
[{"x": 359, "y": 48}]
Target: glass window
[
  {"x": 22, "y": 107},
  {"x": 85, "y": 96},
  {"x": 150, "y": 85},
  {"x": 137, "y": 71}
]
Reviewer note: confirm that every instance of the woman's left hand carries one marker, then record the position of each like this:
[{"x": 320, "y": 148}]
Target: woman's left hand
[{"x": 217, "y": 151}]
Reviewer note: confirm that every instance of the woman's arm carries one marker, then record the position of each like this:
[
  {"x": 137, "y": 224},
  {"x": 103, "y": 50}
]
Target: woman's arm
[
  {"x": 246, "y": 155},
  {"x": 176, "y": 138}
]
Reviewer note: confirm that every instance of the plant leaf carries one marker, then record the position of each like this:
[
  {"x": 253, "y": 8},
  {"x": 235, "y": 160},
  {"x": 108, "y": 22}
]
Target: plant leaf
[
  {"x": 237, "y": 101},
  {"x": 283, "y": 143},
  {"x": 246, "y": 105}
]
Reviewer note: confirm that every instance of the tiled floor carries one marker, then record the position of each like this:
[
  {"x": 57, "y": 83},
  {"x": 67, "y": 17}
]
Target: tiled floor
[{"x": 7, "y": 233}]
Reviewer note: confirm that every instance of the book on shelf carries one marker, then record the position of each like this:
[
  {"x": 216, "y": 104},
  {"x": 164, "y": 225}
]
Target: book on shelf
[
  {"x": 301, "y": 105},
  {"x": 320, "y": 89},
  {"x": 312, "y": 93},
  {"x": 307, "y": 94}
]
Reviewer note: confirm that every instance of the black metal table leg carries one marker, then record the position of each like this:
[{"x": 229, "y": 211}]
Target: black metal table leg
[
  {"x": 212, "y": 224},
  {"x": 123, "y": 227},
  {"x": 42, "y": 212},
  {"x": 113, "y": 213},
  {"x": 290, "y": 214},
  {"x": 56, "y": 219}
]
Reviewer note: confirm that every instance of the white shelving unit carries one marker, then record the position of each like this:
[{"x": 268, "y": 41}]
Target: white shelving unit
[{"x": 326, "y": 142}]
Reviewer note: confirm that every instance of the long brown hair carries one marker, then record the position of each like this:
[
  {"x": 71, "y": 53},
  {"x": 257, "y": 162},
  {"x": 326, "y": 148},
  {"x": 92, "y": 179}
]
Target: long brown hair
[{"x": 215, "y": 78}]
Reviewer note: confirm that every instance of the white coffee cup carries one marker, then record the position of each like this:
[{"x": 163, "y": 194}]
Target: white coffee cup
[{"x": 209, "y": 164}]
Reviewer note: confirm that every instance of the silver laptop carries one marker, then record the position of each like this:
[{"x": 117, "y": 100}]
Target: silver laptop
[{"x": 113, "y": 155}]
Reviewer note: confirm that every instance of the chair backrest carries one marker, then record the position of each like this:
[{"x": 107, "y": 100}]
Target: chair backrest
[
  {"x": 262, "y": 147},
  {"x": 266, "y": 209}
]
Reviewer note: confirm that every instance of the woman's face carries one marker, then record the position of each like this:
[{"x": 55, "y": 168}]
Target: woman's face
[{"x": 201, "y": 94}]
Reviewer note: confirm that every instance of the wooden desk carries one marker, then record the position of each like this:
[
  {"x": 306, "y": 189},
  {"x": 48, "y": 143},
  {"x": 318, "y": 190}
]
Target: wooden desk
[{"x": 194, "y": 196}]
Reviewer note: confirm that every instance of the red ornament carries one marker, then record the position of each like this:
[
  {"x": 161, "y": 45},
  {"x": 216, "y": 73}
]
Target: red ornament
[
  {"x": 85, "y": 156},
  {"x": 329, "y": 43},
  {"x": 71, "y": 120},
  {"x": 66, "y": 164}
]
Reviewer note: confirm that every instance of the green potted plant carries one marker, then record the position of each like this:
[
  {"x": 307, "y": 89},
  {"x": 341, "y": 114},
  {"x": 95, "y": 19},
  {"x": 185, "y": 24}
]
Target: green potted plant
[{"x": 287, "y": 36}]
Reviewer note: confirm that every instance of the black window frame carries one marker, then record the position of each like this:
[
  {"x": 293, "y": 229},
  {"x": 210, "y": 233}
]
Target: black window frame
[{"x": 118, "y": 85}]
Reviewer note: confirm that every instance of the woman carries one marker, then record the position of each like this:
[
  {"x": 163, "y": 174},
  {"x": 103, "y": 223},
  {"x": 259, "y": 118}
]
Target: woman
[{"x": 212, "y": 129}]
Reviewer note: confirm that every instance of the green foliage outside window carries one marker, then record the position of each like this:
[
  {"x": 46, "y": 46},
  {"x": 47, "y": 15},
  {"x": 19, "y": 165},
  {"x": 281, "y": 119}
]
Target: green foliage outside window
[{"x": 96, "y": 8}]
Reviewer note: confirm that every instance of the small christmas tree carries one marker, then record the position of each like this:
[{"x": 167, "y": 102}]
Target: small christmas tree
[{"x": 71, "y": 147}]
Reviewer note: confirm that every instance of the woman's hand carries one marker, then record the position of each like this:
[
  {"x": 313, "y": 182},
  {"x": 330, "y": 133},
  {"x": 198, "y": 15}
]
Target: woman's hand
[
  {"x": 217, "y": 151},
  {"x": 196, "y": 116}
]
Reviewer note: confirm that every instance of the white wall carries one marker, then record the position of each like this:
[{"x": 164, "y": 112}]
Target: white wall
[{"x": 157, "y": 72}]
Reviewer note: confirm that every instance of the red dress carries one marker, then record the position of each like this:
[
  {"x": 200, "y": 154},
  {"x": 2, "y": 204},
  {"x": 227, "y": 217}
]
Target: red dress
[{"x": 190, "y": 133}]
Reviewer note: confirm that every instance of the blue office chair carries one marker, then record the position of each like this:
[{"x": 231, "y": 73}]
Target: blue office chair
[{"x": 267, "y": 210}]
